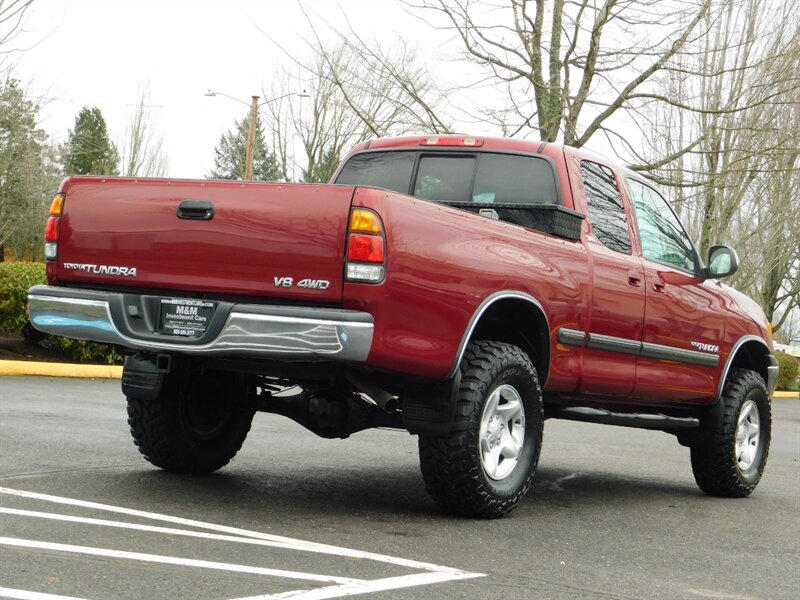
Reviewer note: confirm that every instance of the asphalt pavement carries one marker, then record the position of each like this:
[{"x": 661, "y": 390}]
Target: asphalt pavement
[{"x": 614, "y": 513}]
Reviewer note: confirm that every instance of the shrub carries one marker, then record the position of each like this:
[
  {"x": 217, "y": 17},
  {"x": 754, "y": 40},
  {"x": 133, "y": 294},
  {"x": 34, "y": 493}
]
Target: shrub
[
  {"x": 15, "y": 279},
  {"x": 789, "y": 368},
  {"x": 84, "y": 351}
]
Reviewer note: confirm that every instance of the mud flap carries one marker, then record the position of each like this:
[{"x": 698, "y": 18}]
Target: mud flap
[{"x": 428, "y": 409}]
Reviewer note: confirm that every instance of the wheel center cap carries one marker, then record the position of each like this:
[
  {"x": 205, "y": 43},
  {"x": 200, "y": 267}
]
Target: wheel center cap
[
  {"x": 741, "y": 435},
  {"x": 494, "y": 430}
]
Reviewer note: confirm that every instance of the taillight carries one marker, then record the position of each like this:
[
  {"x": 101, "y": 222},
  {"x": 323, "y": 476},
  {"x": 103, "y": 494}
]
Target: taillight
[
  {"x": 51, "y": 230},
  {"x": 53, "y": 227},
  {"x": 366, "y": 247}
]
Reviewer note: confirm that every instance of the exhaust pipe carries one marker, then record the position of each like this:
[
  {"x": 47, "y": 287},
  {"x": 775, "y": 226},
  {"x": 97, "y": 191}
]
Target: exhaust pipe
[{"x": 379, "y": 396}]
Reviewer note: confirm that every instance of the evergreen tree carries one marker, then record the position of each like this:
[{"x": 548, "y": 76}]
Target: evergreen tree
[
  {"x": 28, "y": 174},
  {"x": 88, "y": 150},
  {"x": 323, "y": 169},
  {"x": 230, "y": 155}
]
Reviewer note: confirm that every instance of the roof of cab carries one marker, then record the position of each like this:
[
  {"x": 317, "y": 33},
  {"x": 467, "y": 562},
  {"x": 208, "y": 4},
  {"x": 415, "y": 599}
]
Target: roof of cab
[{"x": 450, "y": 140}]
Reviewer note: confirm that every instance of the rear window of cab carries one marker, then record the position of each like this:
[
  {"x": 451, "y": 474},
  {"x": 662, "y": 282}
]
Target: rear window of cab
[{"x": 482, "y": 178}]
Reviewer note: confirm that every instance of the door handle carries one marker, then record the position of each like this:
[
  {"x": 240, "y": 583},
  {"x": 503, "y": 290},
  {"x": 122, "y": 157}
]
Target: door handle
[
  {"x": 659, "y": 287},
  {"x": 196, "y": 210},
  {"x": 634, "y": 279}
]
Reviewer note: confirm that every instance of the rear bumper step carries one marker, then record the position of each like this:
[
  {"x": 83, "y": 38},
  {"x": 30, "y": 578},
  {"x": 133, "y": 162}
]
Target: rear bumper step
[{"x": 260, "y": 331}]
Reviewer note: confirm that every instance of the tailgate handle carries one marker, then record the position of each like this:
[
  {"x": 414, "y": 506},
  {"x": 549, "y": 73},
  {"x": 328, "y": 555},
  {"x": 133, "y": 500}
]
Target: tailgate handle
[{"x": 198, "y": 210}]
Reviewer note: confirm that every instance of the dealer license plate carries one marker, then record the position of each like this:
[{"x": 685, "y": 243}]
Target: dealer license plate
[{"x": 185, "y": 317}]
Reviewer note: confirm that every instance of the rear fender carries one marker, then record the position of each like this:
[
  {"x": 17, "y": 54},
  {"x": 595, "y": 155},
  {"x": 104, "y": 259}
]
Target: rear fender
[{"x": 513, "y": 317}]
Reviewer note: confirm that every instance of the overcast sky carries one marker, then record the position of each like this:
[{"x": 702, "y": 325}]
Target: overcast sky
[{"x": 98, "y": 52}]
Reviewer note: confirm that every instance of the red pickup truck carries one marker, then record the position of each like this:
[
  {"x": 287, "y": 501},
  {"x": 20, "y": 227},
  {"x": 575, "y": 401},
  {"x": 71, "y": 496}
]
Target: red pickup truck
[{"x": 461, "y": 288}]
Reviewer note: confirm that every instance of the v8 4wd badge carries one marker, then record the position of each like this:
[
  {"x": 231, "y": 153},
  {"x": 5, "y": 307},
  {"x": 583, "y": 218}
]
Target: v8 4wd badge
[{"x": 311, "y": 284}]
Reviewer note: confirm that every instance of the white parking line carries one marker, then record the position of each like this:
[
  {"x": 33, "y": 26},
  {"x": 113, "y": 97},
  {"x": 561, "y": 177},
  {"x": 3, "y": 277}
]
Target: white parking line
[
  {"x": 366, "y": 587},
  {"x": 149, "y": 528},
  {"x": 285, "y": 541},
  {"x": 344, "y": 586},
  {"x": 172, "y": 560},
  {"x": 23, "y": 595}
]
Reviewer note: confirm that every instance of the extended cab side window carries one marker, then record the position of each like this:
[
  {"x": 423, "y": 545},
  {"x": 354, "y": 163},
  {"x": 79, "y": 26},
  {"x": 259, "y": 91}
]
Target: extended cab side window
[
  {"x": 606, "y": 210},
  {"x": 662, "y": 236}
]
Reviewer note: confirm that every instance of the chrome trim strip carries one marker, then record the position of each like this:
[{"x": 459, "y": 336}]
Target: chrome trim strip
[
  {"x": 250, "y": 334},
  {"x": 692, "y": 357},
  {"x": 596, "y": 341},
  {"x": 649, "y": 350},
  {"x": 614, "y": 344},
  {"x": 473, "y": 322},
  {"x": 571, "y": 337}
]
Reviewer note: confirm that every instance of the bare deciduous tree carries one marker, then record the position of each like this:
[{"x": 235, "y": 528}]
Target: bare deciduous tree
[
  {"x": 143, "y": 152},
  {"x": 354, "y": 93},
  {"x": 323, "y": 123},
  {"x": 790, "y": 332},
  {"x": 388, "y": 86},
  {"x": 729, "y": 127},
  {"x": 12, "y": 15},
  {"x": 569, "y": 66}
]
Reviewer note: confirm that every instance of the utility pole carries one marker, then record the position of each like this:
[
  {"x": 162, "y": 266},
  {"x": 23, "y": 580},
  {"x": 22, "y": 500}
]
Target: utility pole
[
  {"x": 251, "y": 133},
  {"x": 251, "y": 140}
]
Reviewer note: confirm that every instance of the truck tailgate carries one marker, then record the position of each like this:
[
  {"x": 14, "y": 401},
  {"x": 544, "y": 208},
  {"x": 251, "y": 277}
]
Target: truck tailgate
[{"x": 263, "y": 239}]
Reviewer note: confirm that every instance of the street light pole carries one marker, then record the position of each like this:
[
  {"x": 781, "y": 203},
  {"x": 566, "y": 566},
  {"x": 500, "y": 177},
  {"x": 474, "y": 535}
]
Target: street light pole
[{"x": 251, "y": 139}]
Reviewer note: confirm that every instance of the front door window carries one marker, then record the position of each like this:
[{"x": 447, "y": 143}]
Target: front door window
[{"x": 662, "y": 236}]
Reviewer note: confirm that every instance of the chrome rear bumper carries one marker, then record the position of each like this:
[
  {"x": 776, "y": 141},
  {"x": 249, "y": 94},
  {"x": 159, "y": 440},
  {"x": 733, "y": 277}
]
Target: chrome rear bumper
[{"x": 252, "y": 330}]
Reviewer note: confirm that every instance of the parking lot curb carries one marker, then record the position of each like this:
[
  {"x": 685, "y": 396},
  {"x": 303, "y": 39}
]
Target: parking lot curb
[{"x": 46, "y": 369}]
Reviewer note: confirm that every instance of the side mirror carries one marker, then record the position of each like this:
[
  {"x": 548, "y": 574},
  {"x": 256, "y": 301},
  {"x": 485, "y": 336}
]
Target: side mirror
[{"x": 722, "y": 261}]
